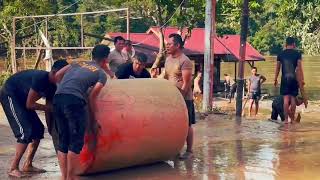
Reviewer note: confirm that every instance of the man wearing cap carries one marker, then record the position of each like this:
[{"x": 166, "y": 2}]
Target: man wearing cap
[
  {"x": 19, "y": 97},
  {"x": 134, "y": 69}
]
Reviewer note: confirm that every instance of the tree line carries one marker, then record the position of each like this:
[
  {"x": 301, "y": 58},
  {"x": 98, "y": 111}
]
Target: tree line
[{"x": 269, "y": 22}]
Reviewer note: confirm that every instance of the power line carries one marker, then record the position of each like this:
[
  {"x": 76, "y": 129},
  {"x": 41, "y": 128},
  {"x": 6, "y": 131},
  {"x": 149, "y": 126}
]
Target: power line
[
  {"x": 147, "y": 38},
  {"x": 35, "y": 24}
]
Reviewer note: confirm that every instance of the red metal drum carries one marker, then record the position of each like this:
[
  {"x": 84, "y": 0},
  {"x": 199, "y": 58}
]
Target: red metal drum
[{"x": 141, "y": 121}]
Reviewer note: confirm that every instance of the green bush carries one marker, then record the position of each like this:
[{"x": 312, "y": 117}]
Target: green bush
[{"x": 3, "y": 77}]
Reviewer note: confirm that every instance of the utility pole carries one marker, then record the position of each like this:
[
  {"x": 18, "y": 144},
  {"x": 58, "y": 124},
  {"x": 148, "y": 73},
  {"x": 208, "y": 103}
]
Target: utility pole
[
  {"x": 13, "y": 47},
  {"x": 243, "y": 41},
  {"x": 208, "y": 71}
]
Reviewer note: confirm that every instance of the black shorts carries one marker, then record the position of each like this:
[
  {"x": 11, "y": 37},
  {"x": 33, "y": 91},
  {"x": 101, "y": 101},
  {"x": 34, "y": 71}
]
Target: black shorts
[
  {"x": 191, "y": 112},
  {"x": 255, "y": 96},
  {"x": 25, "y": 123},
  {"x": 277, "y": 112},
  {"x": 71, "y": 115},
  {"x": 233, "y": 88},
  {"x": 289, "y": 87}
]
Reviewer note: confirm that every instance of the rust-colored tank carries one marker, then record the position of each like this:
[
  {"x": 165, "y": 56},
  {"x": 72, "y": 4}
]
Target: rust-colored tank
[{"x": 141, "y": 121}]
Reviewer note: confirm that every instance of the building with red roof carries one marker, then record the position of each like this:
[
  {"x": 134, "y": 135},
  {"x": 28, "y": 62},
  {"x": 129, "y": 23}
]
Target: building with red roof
[{"x": 226, "y": 48}]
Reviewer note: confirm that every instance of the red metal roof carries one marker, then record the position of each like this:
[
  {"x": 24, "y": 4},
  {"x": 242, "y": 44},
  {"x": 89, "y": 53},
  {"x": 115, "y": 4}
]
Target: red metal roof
[
  {"x": 233, "y": 44},
  {"x": 140, "y": 38},
  {"x": 226, "y": 45},
  {"x": 195, "y": 42}
]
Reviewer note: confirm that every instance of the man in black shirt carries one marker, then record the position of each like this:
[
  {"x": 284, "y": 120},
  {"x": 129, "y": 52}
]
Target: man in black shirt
[
  {"x": 289, "y": 60},
  {"x": 19, "y": 97},
  {"x": 135, "y": 69}
]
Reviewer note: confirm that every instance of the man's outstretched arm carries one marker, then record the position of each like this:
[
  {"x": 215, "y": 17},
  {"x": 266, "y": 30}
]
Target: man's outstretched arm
[{"x": 277, "y": 73}]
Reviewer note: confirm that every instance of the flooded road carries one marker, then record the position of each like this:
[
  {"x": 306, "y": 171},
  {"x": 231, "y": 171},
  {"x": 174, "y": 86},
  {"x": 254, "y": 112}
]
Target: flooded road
[{"x": 225, "y": 148}]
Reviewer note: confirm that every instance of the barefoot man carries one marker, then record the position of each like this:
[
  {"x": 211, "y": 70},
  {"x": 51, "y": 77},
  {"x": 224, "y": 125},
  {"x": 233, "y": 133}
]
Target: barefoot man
[
  {"x": 178, "y": 69},
  {"x": 19, "y": 97},
  {"x": 289, "y": 60},
  {"x": 70, "y": 107},
  {"x": 254, "y": 90}
]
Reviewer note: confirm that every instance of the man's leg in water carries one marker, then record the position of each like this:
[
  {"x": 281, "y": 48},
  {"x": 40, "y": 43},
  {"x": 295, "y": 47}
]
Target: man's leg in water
[
  {"x": 298, "y": 118},
  {"x": 286, "y": 101},
  {"x": 189, "y": 153},
  {"x": 14, "y": 169},
  {"x": 292, "y": 108},
  {"x": 190, "y": 139},
  {"x": 18, "y": 119},
  {"x": 32, "y": 149},
  {"x": 251, "y": 101},
  {"x": 36, "y": 135},
  {"x": 62, "y": 158},
  {"x": 71, "y": 159},
  {"x": 274, "y": 113},
  {"x": 256, "y": 106}
]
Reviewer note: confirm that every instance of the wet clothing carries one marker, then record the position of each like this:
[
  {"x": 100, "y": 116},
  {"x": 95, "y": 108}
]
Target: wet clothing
[
  {"x": 255, "y": 96},
  {"x": 255, "y": 83},
  {"x": 53, "y": 132},
  {"x": 116, "y": 58},
  {"x": 25, "y": 123},
  {"x": 125, "y": 71},
  {"x": 173, "y": 72},
  {"x": 255, "y": 87},
  {"x": 71, "y": 116},
  {"x": 191, "y": 112},
  {"x": 80, "y": 77},
  {"x": 70, "y": 104},
  {"x": 277, "y": 108},
  {"x": 20, "y": 83},
  {"x": 289, "y": 60}
]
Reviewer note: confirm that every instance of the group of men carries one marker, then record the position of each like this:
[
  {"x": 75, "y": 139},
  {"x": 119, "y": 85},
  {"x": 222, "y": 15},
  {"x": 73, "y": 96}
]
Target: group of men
[
  {"x": 71, "y": 90},
  {"x": 289, "y": 61}
]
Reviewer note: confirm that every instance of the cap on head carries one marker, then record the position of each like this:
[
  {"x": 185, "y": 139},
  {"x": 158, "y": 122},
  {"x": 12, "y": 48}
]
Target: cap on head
[
  {"x": 100, "y": 52},
  {"x": 59, "y": 64},
  {"x": 141, "y": 57}
]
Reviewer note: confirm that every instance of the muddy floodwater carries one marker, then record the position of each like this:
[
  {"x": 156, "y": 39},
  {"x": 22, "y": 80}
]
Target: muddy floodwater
[
  {"x": 311, "y": 65},
  {"x": 224, "y": 148}
]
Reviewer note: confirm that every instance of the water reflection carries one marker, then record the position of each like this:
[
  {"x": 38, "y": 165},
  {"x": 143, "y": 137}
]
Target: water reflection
[{"x": 161, "y": 170}]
